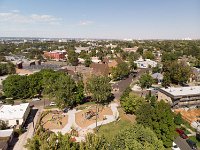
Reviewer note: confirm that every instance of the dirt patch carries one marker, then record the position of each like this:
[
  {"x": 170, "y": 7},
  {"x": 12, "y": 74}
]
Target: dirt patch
[
  {"x": 189, "y": 115},
  {"x": 90, "y": 113},
  {"x": 54, "y": 120}
]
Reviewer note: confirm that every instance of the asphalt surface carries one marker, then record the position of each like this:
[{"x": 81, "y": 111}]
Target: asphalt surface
[{"x": 182, "y": 144}]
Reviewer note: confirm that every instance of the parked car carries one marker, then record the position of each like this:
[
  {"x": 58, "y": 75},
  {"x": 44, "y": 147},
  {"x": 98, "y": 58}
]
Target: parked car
[
  {"x": 192, "y": 144},
  {"x": 175, "y": 147},
  {"x": 36, "y": 99},
  {"x": 65, "y": 110},
  {"x": 52, "y": 104},
  {"x": 181, "y": 133}
]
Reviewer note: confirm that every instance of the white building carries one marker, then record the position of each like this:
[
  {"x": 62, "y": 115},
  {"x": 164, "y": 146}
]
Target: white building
[
  {"x": 95, "y": 60},
  {"x": 14, "y": 115},
  {"x": 145, "y": 63}
]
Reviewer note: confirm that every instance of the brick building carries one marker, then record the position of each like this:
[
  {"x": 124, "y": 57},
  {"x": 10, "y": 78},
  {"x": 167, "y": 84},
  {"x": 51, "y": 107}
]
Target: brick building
[{"x": 57, "y": 54}]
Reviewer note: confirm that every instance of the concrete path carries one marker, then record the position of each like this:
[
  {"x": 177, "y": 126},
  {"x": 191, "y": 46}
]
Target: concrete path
[
  {"x": 71, "y": 123},
  {"x": 83, "y": 131}
]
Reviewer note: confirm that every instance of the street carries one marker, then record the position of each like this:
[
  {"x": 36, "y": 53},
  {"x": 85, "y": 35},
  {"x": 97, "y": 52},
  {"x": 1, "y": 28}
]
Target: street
[{"x": 182, "y": 144}]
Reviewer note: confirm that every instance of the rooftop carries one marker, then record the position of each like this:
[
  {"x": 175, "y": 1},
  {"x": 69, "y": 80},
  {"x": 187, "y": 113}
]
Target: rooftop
[
  {"x": 6, "y": 133},
  {"x": 9, "y": 112},
  {"x": 182, "y": 91}
]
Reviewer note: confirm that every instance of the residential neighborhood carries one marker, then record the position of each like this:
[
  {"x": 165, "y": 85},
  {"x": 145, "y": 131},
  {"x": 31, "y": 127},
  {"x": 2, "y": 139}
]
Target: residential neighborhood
[{"x": 102, "y": 82}]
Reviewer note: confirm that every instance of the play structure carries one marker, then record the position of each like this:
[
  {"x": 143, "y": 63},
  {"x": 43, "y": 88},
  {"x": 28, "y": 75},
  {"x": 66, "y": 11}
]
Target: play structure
[{"x": 90, "y": 113}]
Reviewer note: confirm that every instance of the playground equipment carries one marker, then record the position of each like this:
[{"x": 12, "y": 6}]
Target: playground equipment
[{"x": 89, "y": 114}]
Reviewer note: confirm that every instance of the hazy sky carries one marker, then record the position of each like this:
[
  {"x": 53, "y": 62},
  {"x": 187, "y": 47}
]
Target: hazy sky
[{"x": 142, "y": 19}]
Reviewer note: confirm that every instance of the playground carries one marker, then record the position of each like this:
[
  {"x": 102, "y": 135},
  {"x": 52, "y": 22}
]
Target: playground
[
  {"x": 54, "y": 120},
  {"x": 88, "y": 115}
]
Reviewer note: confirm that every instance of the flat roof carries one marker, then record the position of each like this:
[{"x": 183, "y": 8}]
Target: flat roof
[
  {"x": 182, "y": 91},
  {"x": 9, "y": 112},
  {"x": 6, "y": 133}
]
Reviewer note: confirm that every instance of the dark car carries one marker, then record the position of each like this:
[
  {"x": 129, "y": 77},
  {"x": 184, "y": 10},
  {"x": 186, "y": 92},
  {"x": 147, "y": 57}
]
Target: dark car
[
  {"x": 181, "y": 133},
  {"x": 192, "y": 144}
]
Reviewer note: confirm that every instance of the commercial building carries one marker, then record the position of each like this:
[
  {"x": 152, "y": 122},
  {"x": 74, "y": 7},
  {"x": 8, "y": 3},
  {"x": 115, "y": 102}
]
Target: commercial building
[
  {"x": 56, "y": 54},
  {"x": 14, "y": 115},
  {"x": 180, "y": 97}
]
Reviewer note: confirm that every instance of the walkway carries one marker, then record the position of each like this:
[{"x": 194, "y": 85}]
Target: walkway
[{"x": 83, "y": 131}]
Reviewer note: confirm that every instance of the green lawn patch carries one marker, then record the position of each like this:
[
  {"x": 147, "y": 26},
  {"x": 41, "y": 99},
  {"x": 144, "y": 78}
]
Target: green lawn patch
[{"x": 111, "y": 129}]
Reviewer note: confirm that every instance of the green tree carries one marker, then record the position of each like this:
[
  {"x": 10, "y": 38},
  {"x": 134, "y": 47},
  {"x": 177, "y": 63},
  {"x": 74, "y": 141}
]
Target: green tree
[
  {"x": 137, "y": 137},
  {"x": 166, "y": 80},
  {"x": 73, "y": 57},
  {"x": 100, "y": 90},
  {"x": 140, "y": 50},
  {"x": 122, "y": 70},
  {"x": 125, "y": 93},
  {"x": 145, "y": 81},
  {"x": 88, "y": 61},
  {"x": 160, "y": 119},
  {"x": 132, "y": 103},
  {"x": 178, "y": 120},
  {"x": 148, "y": 55},
  {"x": 16, "y": 86}
]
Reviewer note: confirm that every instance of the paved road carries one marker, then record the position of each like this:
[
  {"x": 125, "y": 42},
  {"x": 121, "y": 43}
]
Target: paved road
[
  {"x": 30, "y": 122},
  {"x": 182, "y": 144},
  {"x": 123, "y": 84}
]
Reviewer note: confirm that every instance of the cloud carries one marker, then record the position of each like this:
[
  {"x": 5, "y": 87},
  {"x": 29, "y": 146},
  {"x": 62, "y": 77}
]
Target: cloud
[
  {"x": 15, "y": 16},
  {"x": 85, "y": 22}
]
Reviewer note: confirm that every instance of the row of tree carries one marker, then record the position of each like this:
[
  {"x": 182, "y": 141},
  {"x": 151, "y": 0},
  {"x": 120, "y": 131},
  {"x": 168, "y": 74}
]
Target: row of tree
[
  {"x": 55, "y": 84},
  {"x": 135, "y": 137}
]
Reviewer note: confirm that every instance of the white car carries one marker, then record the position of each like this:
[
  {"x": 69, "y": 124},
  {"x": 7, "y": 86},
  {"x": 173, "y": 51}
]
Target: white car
[
  {"x": 36, "y": 99},
  {"x": 175, "y": 147},
  {"x": 52, "y": 104}
]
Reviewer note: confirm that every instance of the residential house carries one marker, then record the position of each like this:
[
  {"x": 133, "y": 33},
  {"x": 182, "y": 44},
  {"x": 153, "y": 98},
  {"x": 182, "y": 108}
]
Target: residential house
[
  {"x": 14, "y": 114},
  {"x": 158, "y": 77},
  {"x": 145, "y": 63}
]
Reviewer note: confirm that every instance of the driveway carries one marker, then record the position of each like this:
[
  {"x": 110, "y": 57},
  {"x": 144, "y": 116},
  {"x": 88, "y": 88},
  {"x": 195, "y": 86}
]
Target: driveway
[{"x": 182, "y": 144}]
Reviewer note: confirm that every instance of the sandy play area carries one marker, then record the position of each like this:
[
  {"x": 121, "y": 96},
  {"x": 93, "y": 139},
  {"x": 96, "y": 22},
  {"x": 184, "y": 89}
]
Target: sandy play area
[
  {"x": 87, "y": 116},
  {"x": 55, "y": 120},
  {"x": 190, "y": 115}
]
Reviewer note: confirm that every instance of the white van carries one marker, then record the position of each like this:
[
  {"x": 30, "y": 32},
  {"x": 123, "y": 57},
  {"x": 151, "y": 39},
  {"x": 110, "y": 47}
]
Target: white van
[{"x": 36, "y": 99}]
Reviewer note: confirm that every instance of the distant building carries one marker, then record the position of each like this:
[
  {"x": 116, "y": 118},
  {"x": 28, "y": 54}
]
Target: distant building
[
  {"x": 79, "y": 49},
  {"x": 145, "y": 63},
  {"x": 95, "y": 60},
  {"x": 180, "y": 96},
  {"x": 14, "y": 115},
  {"x": 134, "y": 49},
  {"x": 56, "y": 54}
]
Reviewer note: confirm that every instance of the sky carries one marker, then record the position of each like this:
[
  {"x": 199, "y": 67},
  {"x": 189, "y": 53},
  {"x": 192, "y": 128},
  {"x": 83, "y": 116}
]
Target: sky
[{"x": 110, "y": 19}]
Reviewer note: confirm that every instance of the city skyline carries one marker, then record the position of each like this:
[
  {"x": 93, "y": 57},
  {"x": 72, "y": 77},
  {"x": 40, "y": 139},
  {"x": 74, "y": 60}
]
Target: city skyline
[{"x": 100, "y": 19}]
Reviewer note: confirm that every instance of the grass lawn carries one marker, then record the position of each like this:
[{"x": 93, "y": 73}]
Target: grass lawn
[
  {"x": 193, "y": 138},
  {"x": 111, "y": 129}
]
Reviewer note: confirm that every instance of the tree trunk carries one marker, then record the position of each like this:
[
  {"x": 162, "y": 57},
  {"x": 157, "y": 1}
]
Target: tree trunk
[{"x": 96, "y": 116}]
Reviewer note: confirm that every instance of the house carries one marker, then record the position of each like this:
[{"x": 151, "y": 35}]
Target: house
[
  {"x": 95, "y": 60},
  {"x": 6, "y": 137},
  {"x": 100, "y": 69},
  {"x": 145, "y": 63},
  {"x": 14, "y": 114},
  {"x": 158, "y": 77},
  {"x": 134, "y": 49},
  {"x": 179, "y": 97},
  {"x": 56, "y": 54},
  {"x": 79, "y": 49}
]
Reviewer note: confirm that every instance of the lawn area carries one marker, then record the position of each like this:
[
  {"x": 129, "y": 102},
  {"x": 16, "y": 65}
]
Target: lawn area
[
  {"x": 111, "y": 129},
  {"x": 193, "y": 138}
]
